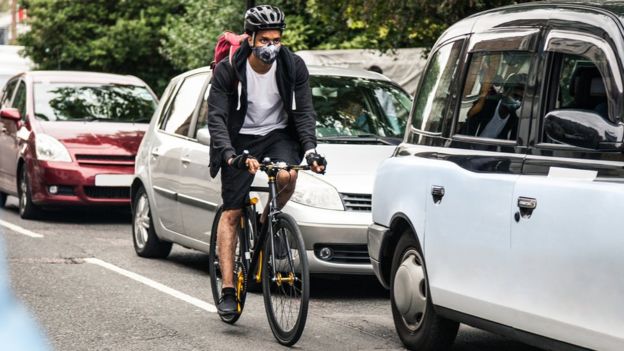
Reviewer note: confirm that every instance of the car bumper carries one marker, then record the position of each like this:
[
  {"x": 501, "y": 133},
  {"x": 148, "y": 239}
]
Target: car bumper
[
  {"x": 377, "y": 235},
  {"x": 76, "y": 184},
  {"x": 342, "y": 232}
]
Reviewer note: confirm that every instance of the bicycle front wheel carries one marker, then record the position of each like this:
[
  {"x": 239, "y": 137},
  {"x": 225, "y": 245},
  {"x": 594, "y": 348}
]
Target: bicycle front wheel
[
  {"x": 240, "y": 269},
  {"x": 286, "y": 281}
]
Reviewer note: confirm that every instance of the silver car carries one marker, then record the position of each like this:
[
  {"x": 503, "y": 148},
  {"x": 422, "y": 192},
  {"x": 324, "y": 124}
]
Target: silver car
[{"x": 361, "y": 118}]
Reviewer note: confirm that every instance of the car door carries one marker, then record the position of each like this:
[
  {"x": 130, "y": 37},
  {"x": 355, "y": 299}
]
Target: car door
[
  {"x": 567, "y": 240},
  {"x": 7, "y": 138},
  {"x": 200, "y": 194},
  {"x": 166, "y": 151},
  {"x": 470, "y": 185}
]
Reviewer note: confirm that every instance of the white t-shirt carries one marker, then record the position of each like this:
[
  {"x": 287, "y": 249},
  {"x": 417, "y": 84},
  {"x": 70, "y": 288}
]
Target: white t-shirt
[
  {"x": 265, "y": 109},
  {"x": 495, "y": 125}
]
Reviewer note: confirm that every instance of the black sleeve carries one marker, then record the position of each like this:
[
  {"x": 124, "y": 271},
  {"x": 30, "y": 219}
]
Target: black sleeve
[
  {"x": 304, "y": 115},
  {"x": 218, "y": 111}
]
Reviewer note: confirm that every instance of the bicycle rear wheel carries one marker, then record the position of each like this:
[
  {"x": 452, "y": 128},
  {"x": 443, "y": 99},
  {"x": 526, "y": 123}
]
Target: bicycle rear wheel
[
  {"x": 240, "y": 269},
  {"x": 287, "y": 292}
]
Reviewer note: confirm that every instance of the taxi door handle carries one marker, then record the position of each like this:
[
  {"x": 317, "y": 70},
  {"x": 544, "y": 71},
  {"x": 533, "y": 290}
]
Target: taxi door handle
[
  {"x": 526, "y": 205},
  {"x": 437, "y": 193}
]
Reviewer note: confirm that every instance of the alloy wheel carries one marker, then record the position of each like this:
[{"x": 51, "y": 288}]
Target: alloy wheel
[
  {"x": 23, "y": 195},
  {"x": 142, "y": 221}
]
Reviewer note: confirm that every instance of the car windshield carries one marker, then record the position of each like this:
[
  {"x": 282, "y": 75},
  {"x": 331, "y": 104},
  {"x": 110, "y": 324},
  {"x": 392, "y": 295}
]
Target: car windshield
[
  {"x": 93, "y": 102},
  {"x": 358, "y": 108}
]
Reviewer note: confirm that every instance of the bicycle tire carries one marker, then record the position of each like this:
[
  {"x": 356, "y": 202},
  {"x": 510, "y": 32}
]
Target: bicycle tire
[
  {"x": 241, "y": 267},
  {"x": 276, "y": 292}
]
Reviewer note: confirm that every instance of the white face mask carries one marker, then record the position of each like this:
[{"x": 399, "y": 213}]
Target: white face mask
[{"x": 267, "y": 53}]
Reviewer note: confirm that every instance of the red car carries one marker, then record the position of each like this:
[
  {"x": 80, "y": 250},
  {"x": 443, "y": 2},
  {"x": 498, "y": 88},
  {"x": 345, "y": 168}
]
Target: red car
[{"x": 70, "y": 138}]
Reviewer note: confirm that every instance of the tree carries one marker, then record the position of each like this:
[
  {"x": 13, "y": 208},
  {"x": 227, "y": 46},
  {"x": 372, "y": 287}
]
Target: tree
[
  {"x": 189, "y": 39},
  {"x": 117, "y": 36},
  {"x": 319, "y": 24}
]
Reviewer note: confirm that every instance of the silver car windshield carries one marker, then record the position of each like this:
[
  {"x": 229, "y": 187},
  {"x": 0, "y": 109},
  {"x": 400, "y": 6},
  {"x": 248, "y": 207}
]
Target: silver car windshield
[
  {"x": 93, "y": 102},
  {"x": 351, "y": 108}
]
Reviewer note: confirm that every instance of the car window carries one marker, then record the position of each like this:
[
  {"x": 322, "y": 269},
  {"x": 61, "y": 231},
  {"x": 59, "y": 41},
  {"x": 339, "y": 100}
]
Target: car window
[
  {"x": 492, "y": 94},
  {"x": 580, "y": 86},
  {"x": 7, "y": 93},
  {"x": 349, "y": 107},
  {"x": 585, "y": 69},
  {"x": 430, "y": 106},
  {"x": 202, "y": 114},
  {"x": 19, "y": 101},
  {"x": 93, "y": 102},
  {"x": 177, "y": 119}
]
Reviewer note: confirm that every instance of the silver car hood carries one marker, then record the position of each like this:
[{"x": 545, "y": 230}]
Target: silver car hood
[{"x": 351, "y": 168}]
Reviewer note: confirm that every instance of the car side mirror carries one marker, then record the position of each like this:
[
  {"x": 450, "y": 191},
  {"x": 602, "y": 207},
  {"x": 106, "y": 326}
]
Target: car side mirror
[
  {"x": 203, "y": 136},
  {"x": 584, "y": 129},
  {"x": 11, "y": 114}
]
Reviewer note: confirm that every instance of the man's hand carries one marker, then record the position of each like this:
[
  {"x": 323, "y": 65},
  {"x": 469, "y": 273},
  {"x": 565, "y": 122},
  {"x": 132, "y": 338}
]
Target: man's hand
[
  {"x": 316, "y": 162},
  {"x": 245, "y": 161}
]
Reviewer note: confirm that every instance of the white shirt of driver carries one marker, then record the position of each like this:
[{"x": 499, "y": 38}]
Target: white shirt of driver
[
  {"x": 265, "y": 109},
  {"x": 495, "y": 125}
]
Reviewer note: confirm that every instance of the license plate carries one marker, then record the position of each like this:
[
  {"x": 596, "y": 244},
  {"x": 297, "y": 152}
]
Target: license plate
[{"x": 113, "y": 179}]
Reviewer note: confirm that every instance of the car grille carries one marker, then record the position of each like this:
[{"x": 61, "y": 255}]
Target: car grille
[
  {"x": 357, "y": 202},
  {"x": 344, "y": 253},
  {"x": 107, "y": 192},
  {"x": 105, "y": 160}
]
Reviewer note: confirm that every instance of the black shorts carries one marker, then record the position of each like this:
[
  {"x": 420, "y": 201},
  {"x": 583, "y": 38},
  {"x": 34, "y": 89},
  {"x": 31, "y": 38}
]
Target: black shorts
[{"x": 235, "y": 183}]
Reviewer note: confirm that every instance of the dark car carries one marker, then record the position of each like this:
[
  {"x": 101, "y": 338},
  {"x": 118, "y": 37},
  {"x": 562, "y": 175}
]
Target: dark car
[
  {"x": 502, "y": 208},
  {"x": 70, "y": 138}
]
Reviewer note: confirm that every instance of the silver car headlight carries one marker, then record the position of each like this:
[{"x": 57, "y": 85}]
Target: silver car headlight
[
  {"x": 311, "y": 191},
  {"x": 50, "y": 149}
]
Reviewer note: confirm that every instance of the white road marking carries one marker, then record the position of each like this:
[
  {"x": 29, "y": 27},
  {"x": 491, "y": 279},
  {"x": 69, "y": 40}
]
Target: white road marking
[
  {"x": 20, "y": 230},
  {"x": 158, "y": 286}
]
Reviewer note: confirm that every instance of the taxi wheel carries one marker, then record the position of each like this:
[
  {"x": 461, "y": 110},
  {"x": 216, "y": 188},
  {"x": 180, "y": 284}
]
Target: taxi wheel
[
  {"x": 146, "y": 242},
  {"x": 27, "y": 209},
  {"x": 415, "y": 319}
]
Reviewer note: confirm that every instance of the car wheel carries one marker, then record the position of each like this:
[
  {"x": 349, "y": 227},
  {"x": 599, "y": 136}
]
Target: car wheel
[
  {"x": 27, "y": 209},
  {"x": 3, "y": 198},
  {"x": 146, "y": 242},
  {"x": 415, "y": 319}
]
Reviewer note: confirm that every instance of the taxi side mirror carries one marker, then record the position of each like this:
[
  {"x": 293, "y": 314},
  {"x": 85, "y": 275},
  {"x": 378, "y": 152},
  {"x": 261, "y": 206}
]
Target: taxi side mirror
[{"x": 584, "y": 129}]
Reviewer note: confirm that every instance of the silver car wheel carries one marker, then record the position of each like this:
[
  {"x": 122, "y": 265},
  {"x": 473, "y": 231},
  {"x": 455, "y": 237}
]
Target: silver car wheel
[
  {"x": 141, "y": 221},
  {"x": 23, "y": 194},
  {"x": 410, "y": 290}
]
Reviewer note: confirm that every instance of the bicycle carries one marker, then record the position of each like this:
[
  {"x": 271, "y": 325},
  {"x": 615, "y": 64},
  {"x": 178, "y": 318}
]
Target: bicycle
[{"x": 280, "y": 264}]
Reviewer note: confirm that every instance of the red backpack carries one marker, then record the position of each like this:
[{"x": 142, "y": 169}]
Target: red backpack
[{"x": 227, "y": 44}]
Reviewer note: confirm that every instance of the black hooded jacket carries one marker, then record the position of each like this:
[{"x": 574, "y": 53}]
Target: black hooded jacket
[{"x": 227, "y": 103}]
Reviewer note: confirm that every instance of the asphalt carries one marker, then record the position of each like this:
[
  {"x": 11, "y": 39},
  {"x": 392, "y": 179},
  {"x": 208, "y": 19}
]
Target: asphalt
[{"x": 83, "y": 306}]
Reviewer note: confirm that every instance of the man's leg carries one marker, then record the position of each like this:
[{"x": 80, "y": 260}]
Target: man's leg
[{"x": 226, "y": 239}]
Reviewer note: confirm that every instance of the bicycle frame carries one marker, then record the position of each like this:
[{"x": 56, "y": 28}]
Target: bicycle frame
[{"x": 255, "y": 271}]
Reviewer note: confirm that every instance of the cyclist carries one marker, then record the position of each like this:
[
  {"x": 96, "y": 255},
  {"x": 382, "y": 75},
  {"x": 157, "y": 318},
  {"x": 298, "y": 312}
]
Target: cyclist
[{"x": 260, "y": 100}]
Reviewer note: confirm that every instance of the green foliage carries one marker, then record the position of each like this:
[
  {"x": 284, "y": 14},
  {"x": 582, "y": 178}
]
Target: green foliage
[
  {"x": 391, "y": 24},
  {"x": 156, "y": 39},
  {"x": 189, "y": 39},
  {"x": 117, "y": 36}
]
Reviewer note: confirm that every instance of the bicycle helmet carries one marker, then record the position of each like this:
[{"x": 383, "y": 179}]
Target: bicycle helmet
[{"x": 264, "y": 17}]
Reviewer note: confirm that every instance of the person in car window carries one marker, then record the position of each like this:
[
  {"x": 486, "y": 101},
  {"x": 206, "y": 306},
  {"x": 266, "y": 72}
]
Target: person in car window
[
  {"x": 260, "y": 102},
  {"x": 354, "y": 115},
  {"x": 498, "y": 118}
]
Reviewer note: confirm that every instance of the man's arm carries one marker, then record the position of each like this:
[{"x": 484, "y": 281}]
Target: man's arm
[
  {"x": 218, "y": 111},
  {"x": 304, "y": 115}
]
